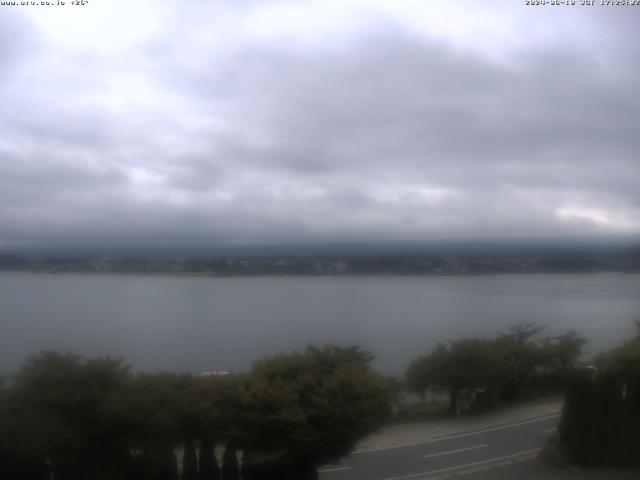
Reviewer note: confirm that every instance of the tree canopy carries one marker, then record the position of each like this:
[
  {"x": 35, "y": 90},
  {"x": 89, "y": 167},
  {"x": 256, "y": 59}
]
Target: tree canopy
[
  {"x": 79, "y": 419},
  {"x": 475, "y": 372},
  {"x": 315, "y": 405}
]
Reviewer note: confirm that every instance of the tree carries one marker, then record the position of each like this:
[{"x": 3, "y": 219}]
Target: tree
[
  {"x": 466, "y": 370},
  {"x": 419, "y": 376},
  {"x": 217, "y": 406},
  {"x": 624, "y": 360},
  {"x": 305, "y": 409},
  {"x": 519, "y": 351},
  {"x": 475, "y": 372},
  {"x": 560, "y": 354},
  {"x": 155, "y": 407},
  {"x": 62, "y": 411},
  {"x": 73, "y": 419}
]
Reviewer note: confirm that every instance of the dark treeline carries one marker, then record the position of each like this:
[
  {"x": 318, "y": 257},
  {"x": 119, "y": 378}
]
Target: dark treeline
[
  {"x": 476, "y": 373},
  {"x": 352, "y": 264},
  {"x": 66, "y": 418},
  {"x": 600, "y": 424}
]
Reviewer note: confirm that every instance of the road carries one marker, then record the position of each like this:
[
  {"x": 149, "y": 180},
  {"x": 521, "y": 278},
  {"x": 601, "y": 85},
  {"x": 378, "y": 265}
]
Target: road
[{"x": 496, "y": 452}]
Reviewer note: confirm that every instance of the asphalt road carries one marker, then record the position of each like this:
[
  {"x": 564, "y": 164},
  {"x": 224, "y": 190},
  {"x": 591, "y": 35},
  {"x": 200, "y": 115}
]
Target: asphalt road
[{"x": 497, "y": 452}]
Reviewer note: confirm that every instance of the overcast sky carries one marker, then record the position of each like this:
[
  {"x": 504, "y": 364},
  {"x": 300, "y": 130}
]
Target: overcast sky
[{"x": 264, "y": 122}]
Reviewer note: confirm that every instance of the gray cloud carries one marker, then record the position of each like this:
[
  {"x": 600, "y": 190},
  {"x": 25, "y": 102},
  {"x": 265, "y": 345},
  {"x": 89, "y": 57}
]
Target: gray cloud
[{"x": 195, "y": 135}]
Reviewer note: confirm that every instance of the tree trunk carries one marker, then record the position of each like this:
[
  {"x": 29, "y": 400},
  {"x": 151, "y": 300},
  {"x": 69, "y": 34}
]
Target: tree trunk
[
  {"x": 230, "y": 466},
  {"x": 168, "y": 468},
  {"x": 453, "y": 402},
  {"x": 189, "y": 461},
  {"x": 209, "y": 469}
]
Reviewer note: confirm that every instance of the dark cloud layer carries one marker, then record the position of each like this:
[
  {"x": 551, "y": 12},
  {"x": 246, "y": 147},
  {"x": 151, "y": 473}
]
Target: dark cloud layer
[{"x": 292, "y": 122}]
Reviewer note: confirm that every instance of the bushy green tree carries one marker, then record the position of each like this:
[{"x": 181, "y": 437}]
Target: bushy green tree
[
  {"x": 519, "y": 351},
  {"x": 420, "y": 376},
  {"x": 16, "y": 460},
  {"x": 218, "y": 407},
  {"x": 624, "y": 360},
  {"x": 63, "y": 410},
  {"x": 466, "y": 370},
  {"x": 155, "y": 407},
  {"x": 474, "y": 372},
  {"x": 560, "y": 354},
  {"x": 71, "y": 419},
  {"x": 301, "y": 410}
]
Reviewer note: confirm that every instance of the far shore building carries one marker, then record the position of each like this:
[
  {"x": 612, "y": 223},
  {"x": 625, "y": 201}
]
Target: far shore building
[{"x": 214, "y": 373}]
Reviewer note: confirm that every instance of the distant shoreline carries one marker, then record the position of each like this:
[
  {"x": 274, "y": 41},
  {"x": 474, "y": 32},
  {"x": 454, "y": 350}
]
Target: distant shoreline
[
  {"x": 310, "y": 275},
  {"x": 333, "y": 265}
]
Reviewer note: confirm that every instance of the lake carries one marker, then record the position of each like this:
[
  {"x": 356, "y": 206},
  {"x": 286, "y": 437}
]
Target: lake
[{"x": 196, "y": 324}]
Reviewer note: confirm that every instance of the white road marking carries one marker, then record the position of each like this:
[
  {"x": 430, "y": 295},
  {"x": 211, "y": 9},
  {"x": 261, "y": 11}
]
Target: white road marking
[
  {"x": 456, "y": 451},
  {"x": 458, "y": 467},
  {"x": 452, "y": 437},
  {"x": 474, "y": 470},
  {"x": 336, "y": 469},
  {"x": 528, "y": 457},
  {"x": 548, "y": 431}
]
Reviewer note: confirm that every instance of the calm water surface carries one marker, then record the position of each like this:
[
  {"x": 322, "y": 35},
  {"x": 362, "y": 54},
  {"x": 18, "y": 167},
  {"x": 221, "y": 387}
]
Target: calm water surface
[{"x": 196, "y": 324}]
